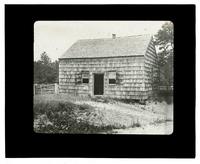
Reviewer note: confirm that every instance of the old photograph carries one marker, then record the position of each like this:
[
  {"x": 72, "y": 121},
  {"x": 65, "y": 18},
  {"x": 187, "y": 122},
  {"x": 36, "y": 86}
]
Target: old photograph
[{"x": 103, "y": 77}]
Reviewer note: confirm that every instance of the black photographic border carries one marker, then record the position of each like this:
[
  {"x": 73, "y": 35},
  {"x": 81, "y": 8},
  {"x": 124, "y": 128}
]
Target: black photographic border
[{"x": 21, "y": 141}]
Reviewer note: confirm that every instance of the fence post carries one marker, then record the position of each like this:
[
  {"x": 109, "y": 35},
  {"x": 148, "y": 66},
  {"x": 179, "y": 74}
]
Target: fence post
[{"x": 56, "y": 88}]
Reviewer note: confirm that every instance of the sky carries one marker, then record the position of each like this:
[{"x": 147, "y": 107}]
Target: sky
[{"x": 55, "y": 37}]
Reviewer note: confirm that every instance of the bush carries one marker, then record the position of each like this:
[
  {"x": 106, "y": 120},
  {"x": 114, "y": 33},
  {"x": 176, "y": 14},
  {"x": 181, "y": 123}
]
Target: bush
[{"x": 61, "y": 117}]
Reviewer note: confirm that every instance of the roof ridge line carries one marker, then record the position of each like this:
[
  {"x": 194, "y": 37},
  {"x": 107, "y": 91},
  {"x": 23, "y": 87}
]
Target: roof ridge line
[{"x": 115, "y": 38}]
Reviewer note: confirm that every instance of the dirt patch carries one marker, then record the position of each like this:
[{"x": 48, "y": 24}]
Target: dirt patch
[
  {"x": 161, "y": 128},
  {"x": 124, "y": 115}
]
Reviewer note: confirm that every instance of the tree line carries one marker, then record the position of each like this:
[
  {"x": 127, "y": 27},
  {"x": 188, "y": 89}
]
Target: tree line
[
  {"x": 164, "y": 41},
  {"x": 46, "y": 71}
]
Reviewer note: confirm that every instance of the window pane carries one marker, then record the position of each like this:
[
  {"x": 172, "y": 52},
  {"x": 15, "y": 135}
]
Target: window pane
[
  {"x": 112, "y": 81},
  {"x": 85, "y": 80}
]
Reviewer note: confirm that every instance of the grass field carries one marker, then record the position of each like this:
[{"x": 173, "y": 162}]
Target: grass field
[{"x": 69, "y": 114}]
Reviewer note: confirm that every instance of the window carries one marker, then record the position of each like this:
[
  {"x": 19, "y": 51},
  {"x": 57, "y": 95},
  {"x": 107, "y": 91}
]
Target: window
[
  {"x": 85, "y": 77},
  {"x": 112, "y": 77},
  {"x": 85, "y": 80},
  {"x": 112, "y": 81}
]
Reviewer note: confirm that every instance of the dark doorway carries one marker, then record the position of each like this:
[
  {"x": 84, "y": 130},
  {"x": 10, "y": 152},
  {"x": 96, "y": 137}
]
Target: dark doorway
[{"x": 98, "y": 84}]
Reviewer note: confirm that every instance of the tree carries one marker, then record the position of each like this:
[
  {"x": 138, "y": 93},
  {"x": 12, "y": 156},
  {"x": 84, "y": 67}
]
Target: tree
[
  {"x": 45, "y": 59},
  {"x": 164, "y": 40},
  {"x": 45, "y": 71}
]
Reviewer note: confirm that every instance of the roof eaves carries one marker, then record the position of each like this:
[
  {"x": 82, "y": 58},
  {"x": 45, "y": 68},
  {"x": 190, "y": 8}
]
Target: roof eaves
[{"x": 103, "y": 57}]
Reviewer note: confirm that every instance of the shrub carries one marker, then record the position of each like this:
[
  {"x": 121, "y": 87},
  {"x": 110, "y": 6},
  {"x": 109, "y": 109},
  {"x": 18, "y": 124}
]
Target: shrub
[{"x": 61, "y": 117}]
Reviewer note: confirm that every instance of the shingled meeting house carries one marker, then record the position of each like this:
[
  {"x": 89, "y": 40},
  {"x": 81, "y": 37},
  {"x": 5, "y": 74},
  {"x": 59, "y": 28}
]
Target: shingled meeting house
[{"x": 116, "y": 67}]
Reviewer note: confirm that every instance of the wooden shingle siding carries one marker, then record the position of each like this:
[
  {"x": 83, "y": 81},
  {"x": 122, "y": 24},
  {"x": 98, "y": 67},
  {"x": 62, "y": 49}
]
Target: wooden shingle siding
[
  {"x": 130, "y": 72},
  {"x": 150, "y": 68},
  {"x": 127, "y": 66}
]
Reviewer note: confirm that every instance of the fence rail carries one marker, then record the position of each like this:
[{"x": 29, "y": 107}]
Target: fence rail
[{"x": 45, "y": 89}]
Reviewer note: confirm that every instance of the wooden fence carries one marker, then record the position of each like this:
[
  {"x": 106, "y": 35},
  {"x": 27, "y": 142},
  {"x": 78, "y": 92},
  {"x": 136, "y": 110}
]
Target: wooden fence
[
  {"x": 45, "y": 89},
  {"x": 166, "y": 88}
]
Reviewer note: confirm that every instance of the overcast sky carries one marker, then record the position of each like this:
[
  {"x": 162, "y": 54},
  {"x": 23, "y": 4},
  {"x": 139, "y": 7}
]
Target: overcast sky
[{"x": 55, "y": 37}]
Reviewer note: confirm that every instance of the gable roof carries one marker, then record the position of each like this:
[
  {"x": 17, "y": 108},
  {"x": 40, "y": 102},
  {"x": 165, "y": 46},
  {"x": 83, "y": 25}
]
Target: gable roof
[{"x": 109, "y": 47}]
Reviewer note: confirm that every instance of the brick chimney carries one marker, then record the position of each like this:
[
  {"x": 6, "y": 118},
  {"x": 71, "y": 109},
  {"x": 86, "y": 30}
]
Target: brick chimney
[{"x": 113, "y": 36}]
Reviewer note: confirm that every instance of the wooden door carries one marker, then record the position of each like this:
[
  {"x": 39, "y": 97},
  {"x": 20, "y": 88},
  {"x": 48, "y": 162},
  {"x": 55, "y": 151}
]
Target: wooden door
[{"x": 98, "y": 84}]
